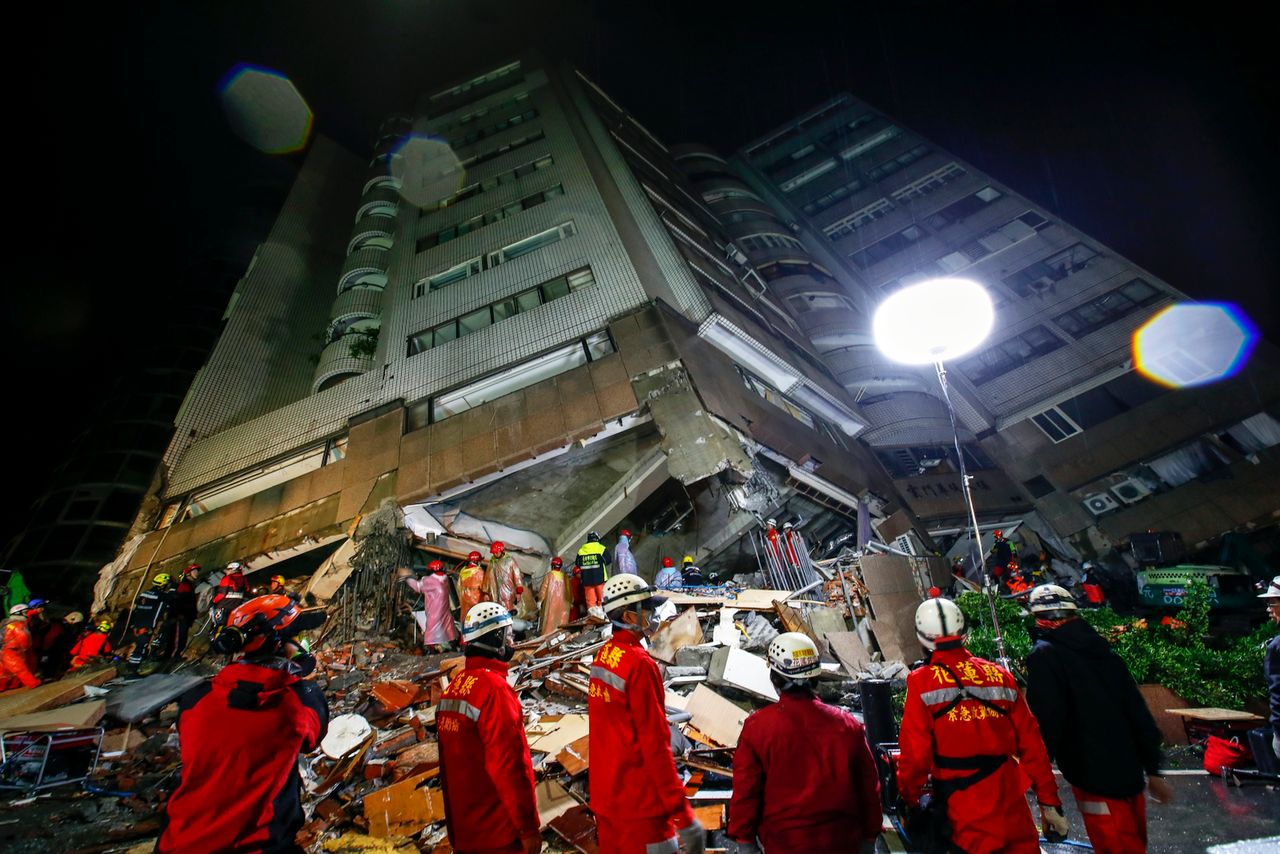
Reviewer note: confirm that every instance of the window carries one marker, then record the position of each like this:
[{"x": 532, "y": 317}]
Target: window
[
  {"x": 769, "y": 240},
  {"x": 927, "y": 184},
  {"x": 810, "y": 174},
  {"x": 916, "y": 461},
  {"x": 489, "y": 183},
  {"x": 832, "y": 198},
  {"x": 494, "y": 153},
  {"x": 995, "y": 240},
  {"x": 891, "y": 245},
  {"x": 802, "y": 303},
  {"x": 847, "y": 225},
  {"x": 1010, "y": 354},
  {"x": 894, "y": 164},
  {"x": 833, "y": 137},
  {"x": 1108, "y": 308},
  {"x": 477, "y": 319},
  {"x": 456, "y": 273},
  {"x": 1038, "y": 486},
  {"x": 487, "y": 218},
  {"x": 481, "y": 112},
  {"x": 778, "y": 399},
  {"x": 965, "y": 207},
  {"x": 1039, "y": 277},
  {"x": 497, "y": 127},
  {"x": 876, "y": 139},
  {"x": 259, "y": 479},
  {"x": 492, "y": 77},
  {"x": 559, "y": 361},
  {"x": 531, "y": 244},
  {"x": 1056, "y": 425}
]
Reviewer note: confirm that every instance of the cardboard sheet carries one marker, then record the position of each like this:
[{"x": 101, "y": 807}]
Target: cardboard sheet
[{"x": 550, "y": 735}]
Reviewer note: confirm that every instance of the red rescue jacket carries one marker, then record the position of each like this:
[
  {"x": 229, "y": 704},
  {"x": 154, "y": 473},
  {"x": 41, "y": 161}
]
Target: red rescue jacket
[
  {"x": 18, "y": 660},
  {"x": 804, "y": 779},
  {"x": 231, "y": 584},
  {"x": 90, "y": 645},
  {"x": 970, "y": 728},
  {"x": 241, "y": 735},
  {"x": 633, "y": 775},
  {"x": 484, "y": 760}
]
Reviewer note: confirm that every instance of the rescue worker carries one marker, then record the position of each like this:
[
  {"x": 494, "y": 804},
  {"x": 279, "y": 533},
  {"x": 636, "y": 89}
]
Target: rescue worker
[
  {"x": 690, "y": 574},
  {"x": 577, "y": 595},
  {"x": 963, "y": 724},
  {"x": 470, "y": 585},
  {"x": 502, "y": 581},
  {"x": 1019, "y": 579},
  {"x": 1090, "y": 584},
  {"x": 593, "y": 560},
  {"x": 485, "y": 768},
  {"x": 241, "y": 733},
  {"x": 1002, "y": 551},
  {"x": 185, "y": 611},
  {"x": 1094, "y": 722},
  {"x": 623, "y": 559},
  {"x": 93, "y": 645},
  {"x": 277, "y": 586},
  {"x": 1271, "y": 663},
  {"x": 54, "y": 653},
  {"x": 434, "y": 619},
  {"x": 18, "y": 657},
  {"x": 150, "y": 624},
  {"x": 804, "y": 779},
  {"x": 636, "y": 794},
  {"x": 553, "y": 599},
  {"x": 232, "y": 590},
  {"x": 668, "y": 578}
]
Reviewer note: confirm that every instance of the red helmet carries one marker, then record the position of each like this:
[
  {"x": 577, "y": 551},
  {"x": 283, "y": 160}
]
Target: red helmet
[
  {"x": 934, "y": 592},
  {"x": 498, "y": 547},
  {"x": 625, "y": 533},
  {"x": 192, "y": 568},
  {"x": 263, "y": 622},
  {"x": 278, "y": 579},
  {"x": 435, "y": 566},
  {"x": 666, "y": 561},
  {"x": 474, "y": 557},
  {"x": 557, "y": 562},
  {"x": 999, "y": 535}
]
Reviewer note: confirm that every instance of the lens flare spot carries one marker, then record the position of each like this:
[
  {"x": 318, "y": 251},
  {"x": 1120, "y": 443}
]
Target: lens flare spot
[
  {"x": 1194, "y": 343},
  {"x": 265, "y": 109},
  {"x": 428, "y": 170}
]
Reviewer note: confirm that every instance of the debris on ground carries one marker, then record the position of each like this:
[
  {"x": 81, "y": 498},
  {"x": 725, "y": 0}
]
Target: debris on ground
[{"x": 374, "y": 784}]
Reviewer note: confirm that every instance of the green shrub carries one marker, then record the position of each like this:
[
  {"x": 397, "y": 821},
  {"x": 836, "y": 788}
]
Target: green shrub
[{"x": 1223, "y": 672}]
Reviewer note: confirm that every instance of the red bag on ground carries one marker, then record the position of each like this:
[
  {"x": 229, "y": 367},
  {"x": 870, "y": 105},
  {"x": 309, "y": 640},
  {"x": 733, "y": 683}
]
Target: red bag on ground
[{"x": 1222, "y": 753}]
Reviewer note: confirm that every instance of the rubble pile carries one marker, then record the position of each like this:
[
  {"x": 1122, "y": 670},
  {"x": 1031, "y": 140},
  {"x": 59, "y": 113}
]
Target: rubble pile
[{"x": 374, "y": 784}]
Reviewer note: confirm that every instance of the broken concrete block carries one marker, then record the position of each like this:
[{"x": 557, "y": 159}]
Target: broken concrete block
[
  {"x": 736, "y": 668},
  {"x": 826, "y": 621},
  {"x": 684, "y": 630},
  {"x": 137, "y": 700},
  {"x": 345, "y": 732},
  {"x": 678, "y": 672},
  {"x": 850, "y": 651},
  {"x": 759, "y": 631},
  {"x": 698, "y": 655}
]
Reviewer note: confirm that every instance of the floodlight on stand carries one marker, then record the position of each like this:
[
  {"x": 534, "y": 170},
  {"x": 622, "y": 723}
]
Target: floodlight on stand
[{"x": 930, "y": 323}]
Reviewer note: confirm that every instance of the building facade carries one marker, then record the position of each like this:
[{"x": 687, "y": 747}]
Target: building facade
[
  {"x": 519, "y": 319},
  {"x": 1055, "y": 420}
]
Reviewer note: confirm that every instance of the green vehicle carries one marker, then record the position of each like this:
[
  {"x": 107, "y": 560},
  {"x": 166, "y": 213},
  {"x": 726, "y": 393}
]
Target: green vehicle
[
  {"x": 1165, "y": 587},
  {"x": 1162, "y": 581}
]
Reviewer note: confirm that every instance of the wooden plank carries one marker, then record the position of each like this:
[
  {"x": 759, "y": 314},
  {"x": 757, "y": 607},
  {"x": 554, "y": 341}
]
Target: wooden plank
[
  {"x": 77, "y": 716},
  {"x": 711, "y": 817},
  {"x": 23, "y": 701},
  {"x": 553, "y": 801},
  {"x": 1211, "y": 714},
  {"x": 715, "y": 716},
  {"x": 684, "y": 630},
  {"x": 757, "y": 599},
  {"x": 553, "y": 736},
  {"x": 404, "y": 808},
  {"x": 575, "y": 758},
  {"x": 680, "y": 600}
]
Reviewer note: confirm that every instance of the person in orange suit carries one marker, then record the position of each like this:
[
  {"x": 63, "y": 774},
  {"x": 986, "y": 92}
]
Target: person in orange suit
[
  {"x": 18, "y": 660},
  {"x": 470, "y": 584}
]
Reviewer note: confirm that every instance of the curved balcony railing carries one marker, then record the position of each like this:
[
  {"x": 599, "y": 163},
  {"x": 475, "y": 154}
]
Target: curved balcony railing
[
  {"x": 359, "y": 262},
  {"x": 357, "y": 301},
  {"x": 336, "y": 362}
]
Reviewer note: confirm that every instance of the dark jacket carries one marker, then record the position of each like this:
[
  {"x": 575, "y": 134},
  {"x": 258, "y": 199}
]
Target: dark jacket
[
  {"x": 1093, "y": 719},
  {"x": 1271, "y": 666}
]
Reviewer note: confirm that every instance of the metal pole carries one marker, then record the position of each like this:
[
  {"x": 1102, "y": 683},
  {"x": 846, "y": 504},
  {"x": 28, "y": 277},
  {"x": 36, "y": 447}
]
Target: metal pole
[{"x": 976, "y": 536}]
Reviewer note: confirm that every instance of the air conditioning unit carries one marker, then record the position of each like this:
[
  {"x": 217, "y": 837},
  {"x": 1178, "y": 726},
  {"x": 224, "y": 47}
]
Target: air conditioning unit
[
  {"x": 1130, "y": 491},
  {"x": 906, "y": 543},
  {"x": 1099, "y": 503}
]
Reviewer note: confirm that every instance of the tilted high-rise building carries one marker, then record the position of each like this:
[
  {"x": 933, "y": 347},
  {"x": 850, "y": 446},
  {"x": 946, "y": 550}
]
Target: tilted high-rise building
[{"x": 526, "y": 318}]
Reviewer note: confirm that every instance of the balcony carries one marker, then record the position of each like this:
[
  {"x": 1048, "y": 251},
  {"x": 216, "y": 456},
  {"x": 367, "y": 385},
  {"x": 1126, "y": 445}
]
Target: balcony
[
  {"x": 370, "y": 263},
  {"x": 357, "y": 301},
  {"x": 383, "y": 227},
  {"x": 336, "y": 361}
]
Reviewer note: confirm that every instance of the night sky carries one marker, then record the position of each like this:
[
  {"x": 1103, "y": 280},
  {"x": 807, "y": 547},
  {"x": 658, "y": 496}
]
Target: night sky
[{"x": 1147, "y": 132}]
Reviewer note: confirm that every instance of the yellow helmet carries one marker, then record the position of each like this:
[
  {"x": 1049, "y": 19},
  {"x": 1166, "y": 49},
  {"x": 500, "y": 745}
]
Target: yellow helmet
[
  {"x": 687, "y": 559},
  {"x": 161, "y": 580},
  {"x": 105, "y": 624}
]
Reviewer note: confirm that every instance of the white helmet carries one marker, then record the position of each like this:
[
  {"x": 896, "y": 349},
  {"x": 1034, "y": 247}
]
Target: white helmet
[
  {"x": 626, "y": 589},
  {"x": 18, "y": 610},
  {"x": 75, "y": 618},
  {"x": 1050, "y": 599},
  {"x": 1272, "y": 591},
  {"x": 939, "y": 620},
  {"x": 484, "y": 618},
  {"x": 793, "y": 655}
]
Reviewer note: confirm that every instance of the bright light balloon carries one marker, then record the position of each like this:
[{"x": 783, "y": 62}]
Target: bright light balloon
[
  {"x": 1191, "y": 344},
  {"x": 428, "y": 170},
  {"x": 934, "y": 321}
]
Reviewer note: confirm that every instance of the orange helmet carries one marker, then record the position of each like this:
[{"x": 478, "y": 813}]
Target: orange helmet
[
  {"x": 435, "y": 566},
  {"x": 498, "y": 547},
  {"x": 474, "y": 557},
  {"x": 262, "y": 623},
  {"x": 278, "y": 579}
]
